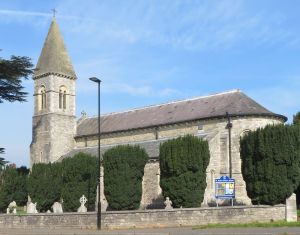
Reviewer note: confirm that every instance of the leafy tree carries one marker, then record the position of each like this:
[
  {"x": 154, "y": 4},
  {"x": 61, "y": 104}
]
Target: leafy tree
[
  {"x": 13, "y": 187},
  {"x": 123, "y": 173},
  {"x": 11, "y": 73},
  {"x": 296, "y": 119},
  {"x": 67, "y": 180},
  {"x": 183, "y": 162},
  {"x": 45, "y": 184},
  {"x": 271, "y": 163},
  {"x": 79, "y": 178}
]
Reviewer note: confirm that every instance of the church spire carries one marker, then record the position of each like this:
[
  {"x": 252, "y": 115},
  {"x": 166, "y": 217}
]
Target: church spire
[{"x": 54, "y": 58}]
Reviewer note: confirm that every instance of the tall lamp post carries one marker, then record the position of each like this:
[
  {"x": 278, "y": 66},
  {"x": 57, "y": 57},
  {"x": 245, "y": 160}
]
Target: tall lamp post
[{"x": 98, "y": 81}]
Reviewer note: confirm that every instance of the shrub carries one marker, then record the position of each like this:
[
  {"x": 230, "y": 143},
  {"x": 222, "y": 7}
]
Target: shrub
[
  {"x": 13, "y": 186},
  {"x": 67, "y": 180},
  {"x": 79, "y": 177},
  {"x": 183, "y": 162},
  {"x": 270, "y": 163},
  {"x": 45, "y": 185},
  {"x": 123, "y": 174}
]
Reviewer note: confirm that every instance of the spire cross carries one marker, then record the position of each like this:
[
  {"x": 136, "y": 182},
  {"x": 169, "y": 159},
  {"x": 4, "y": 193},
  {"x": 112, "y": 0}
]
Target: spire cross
[{"x": 54, "y": 12}]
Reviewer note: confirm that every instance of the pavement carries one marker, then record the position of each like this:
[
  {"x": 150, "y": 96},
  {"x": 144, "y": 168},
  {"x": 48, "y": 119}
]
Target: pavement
[{"x": 157, "y": 231}]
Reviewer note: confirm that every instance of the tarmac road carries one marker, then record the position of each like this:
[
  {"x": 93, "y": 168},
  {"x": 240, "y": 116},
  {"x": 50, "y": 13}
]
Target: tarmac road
[{"x": 156, "y": 231}]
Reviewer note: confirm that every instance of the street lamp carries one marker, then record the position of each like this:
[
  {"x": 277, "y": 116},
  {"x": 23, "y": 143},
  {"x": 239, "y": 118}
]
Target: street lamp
[{"x": 98, "y": 81}]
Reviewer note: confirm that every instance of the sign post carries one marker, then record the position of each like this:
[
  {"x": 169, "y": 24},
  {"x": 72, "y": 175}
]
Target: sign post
[{"x": 225, "y": 188}]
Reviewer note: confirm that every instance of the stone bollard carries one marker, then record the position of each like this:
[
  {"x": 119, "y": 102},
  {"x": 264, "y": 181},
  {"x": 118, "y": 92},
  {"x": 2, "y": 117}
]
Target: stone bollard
[{"x": 291, "y": 209}]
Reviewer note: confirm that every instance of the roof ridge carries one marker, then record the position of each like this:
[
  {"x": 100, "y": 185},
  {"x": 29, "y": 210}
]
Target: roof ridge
[{"x": 167, "y": 103}]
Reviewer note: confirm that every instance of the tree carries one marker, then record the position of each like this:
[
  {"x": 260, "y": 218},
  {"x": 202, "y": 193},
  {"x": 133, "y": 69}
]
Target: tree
[
  {"x": 183, "y": 162},
  {"x": 79, "y": 177},
  {"x": 11, "y": 73},
  {"x": 296, "y": 119},
  {"x": 13, "y": 187},
  {"x": 45, "y": 184},
  {"x": 67, "y": 180},
  {"x": 271, "y": 163},
  {"x": 123, "y": 174}
]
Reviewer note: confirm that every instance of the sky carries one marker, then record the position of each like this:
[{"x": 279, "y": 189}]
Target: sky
[{"x": 153, "y": 51}]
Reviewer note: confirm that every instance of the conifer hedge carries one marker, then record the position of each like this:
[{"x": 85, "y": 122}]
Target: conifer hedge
[
  {"x": 123, "y": 174},
  {"x": 270, "y": 163},
  {"x": 67, "y": 180},
  {"x": 183, "y": 162},
  {"x": 13, "y": 186}
]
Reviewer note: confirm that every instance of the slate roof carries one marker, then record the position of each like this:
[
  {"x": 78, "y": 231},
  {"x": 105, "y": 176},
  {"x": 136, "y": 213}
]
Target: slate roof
[
  {"x": 54, "y": 58},
  {"x": 150, "y": 146},
  {"x": 234, "y": 102}
]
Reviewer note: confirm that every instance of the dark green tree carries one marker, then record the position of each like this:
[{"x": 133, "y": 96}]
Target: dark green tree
[
  {"x": 13, "y": 187},
  {"x": 79, "y": 178},
  {"x": 11, "y": 73},
  {"x": 45, "y": 185},
  {"x": 123, "y": 173},
  {"x": 296, "y": 119},
  {"x": 271, "y": 163},
  {"x": 183, "y": 162}
]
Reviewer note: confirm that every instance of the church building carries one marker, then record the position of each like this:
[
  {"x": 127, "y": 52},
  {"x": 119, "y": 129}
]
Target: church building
[{"x": 57, "y": 133}]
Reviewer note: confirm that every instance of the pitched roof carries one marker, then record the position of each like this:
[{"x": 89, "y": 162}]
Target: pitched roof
[
  {"x": 54, "y": 58},
  {"x": 234, "y": 102}
]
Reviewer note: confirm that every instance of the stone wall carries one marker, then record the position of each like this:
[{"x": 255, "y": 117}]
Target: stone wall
[{"x": 147, "y": 218}]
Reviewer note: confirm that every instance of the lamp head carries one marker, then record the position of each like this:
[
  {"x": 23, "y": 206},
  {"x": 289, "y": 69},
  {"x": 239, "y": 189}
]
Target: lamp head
[{"x": 94, "y": 79}]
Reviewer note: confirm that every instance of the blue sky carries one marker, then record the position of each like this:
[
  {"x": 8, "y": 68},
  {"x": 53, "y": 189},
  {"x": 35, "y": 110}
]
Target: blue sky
[{"x": 153, "y": 51}]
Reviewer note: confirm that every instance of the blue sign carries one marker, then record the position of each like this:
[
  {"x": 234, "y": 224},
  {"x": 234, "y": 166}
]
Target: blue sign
[{"x": 225, "y": 188}]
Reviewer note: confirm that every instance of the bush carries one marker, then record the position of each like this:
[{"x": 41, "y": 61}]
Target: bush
[
  {"x": 45, "y": 184},
  {"x": 79, "y": 177},
  {"x": 183, "y": 162},
  {"x": 270, "y": 163},
  {"x": 13, "y": 187},
  {"x": 67, "y": 180},
  {"x": 123, "y": 174}
]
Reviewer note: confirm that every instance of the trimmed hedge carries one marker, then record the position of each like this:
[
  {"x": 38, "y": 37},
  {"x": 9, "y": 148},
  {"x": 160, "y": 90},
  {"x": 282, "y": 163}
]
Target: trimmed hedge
[
  {"x": 123, "y": 174},
  {"x": 183, "y": 162},
  {"x": 270, "y": 163},
  {"x": 69, "y": 180},
  {"x": 13, "y": 186}
]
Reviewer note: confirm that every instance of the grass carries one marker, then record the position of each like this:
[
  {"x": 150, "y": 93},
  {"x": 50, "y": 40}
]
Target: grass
[{"x": 251, "y": 225}]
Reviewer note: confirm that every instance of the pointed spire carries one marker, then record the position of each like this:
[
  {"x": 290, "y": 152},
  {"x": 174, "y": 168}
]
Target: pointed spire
[{"x": 54, "y": 58}]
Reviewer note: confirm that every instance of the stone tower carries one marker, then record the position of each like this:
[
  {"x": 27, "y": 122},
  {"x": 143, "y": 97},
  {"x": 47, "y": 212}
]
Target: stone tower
[{"x": 54, "y": 121}]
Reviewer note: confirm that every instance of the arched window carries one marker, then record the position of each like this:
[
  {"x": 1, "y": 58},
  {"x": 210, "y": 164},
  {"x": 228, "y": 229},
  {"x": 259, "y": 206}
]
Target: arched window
[
  {"x": 42, "y": 98},
  {"x": 62, "y": 97}
]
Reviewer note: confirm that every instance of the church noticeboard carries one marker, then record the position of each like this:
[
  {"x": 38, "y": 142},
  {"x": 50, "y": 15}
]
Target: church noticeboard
[{"x": 225, "y": 188}]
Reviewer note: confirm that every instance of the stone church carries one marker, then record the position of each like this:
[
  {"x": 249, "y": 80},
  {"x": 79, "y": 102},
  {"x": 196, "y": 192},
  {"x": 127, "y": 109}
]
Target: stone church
[{"x": 56, "y": 133}]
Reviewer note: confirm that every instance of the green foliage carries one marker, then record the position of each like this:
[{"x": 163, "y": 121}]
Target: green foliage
[
  {"x": 123, "y": 174},
  {"x": 13, "y": 187},
  {"x": 183, "y": 162},
  {"x": 45, "y": 184},
  {"x": 67, "y": 180},
  {"x": 296, "y": 119},
  {"x": 11, "y": 73},
  {"x": 270, "y": 163},
  {"x": 79, "y": 177}
]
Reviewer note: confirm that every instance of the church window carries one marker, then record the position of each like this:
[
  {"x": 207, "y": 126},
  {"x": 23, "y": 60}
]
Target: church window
[
  {"x": 42, "y": 98},
  {"x": 62, "y": 97}
]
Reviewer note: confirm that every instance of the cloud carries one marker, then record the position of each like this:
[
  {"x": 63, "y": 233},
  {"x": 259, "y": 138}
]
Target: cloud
[{"x": 205, "y": 25}]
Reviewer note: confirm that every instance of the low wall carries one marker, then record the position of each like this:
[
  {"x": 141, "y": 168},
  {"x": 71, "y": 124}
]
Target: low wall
[{"x": 148, "y": 218}]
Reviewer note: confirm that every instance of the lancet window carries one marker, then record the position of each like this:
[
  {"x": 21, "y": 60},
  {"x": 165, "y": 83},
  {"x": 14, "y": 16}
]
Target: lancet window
[{"x": 62, "y": 97}]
